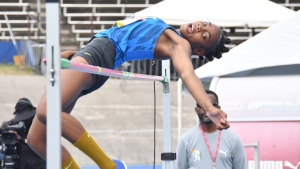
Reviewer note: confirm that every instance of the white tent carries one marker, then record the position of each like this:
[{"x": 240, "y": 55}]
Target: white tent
[
  {"x": 275, "y": 46},
  {"x": 225, "y": 13}
]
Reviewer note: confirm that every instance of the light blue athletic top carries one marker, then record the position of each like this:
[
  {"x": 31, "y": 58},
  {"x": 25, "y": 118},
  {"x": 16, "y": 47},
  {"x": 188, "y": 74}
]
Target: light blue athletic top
[
  {"x": 192, "y": 151},
  {"x": 135, "y": 39}
]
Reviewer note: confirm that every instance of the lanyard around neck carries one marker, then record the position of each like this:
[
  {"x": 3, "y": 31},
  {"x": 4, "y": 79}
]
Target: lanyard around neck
[{"x": 208, "y": 146}]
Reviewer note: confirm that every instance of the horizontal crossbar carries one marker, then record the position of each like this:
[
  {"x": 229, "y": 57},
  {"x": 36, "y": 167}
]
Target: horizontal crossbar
[{"x": 66, "y": 64}]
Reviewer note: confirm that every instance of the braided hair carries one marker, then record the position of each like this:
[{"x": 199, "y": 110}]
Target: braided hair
[{"x": 218, "y": 48}]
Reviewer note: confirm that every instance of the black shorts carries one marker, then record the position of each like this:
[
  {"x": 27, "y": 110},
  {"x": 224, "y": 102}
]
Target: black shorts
[{"x": 98, "y": 52}]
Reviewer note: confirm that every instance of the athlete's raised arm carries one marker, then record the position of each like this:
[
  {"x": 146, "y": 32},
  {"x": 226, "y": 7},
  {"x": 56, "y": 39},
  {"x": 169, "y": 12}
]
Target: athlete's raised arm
[
  {"x": 182, "y": 64},
  {"x": 196, "y": 38}
]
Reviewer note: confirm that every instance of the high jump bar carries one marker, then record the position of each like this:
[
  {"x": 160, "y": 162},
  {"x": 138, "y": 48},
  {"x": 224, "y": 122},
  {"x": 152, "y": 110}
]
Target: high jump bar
[{"x": 66, "y": 64}]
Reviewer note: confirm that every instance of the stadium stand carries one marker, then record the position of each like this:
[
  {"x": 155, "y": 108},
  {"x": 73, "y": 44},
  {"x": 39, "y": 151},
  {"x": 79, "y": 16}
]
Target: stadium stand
[
  {"x": 21, "y": 19},
  {"x": 80, "y": 19},
  {"x": 96, "y": 15},
  {"x": 292, "y": 4}
]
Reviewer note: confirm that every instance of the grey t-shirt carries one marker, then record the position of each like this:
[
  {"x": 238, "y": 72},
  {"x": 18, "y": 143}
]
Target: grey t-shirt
[{"x": 192, "y": 152}]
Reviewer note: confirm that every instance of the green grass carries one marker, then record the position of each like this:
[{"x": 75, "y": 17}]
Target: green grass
[{"x": 6, "y": 69}]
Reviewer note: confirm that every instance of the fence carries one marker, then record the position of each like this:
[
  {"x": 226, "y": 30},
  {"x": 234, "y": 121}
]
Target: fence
[{"x": 33, "y": 53}]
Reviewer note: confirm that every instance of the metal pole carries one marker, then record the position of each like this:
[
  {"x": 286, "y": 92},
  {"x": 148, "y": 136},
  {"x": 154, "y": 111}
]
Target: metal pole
[
  {"x": 28, "y": 18},
  {"x": 38, "y": 18},
  {"x": 92, "y": 24},
  {"x": 167, "y": 156},
  {"x": 179, "y": 108},
  {"x": 256, "y": 155},
  {"x": 11, "y": 34},
  {"x": 53, "y": 84}
]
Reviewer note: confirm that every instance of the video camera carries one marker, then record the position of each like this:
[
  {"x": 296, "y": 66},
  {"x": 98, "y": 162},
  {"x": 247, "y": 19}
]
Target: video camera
[{"x": 9, "y": 146}]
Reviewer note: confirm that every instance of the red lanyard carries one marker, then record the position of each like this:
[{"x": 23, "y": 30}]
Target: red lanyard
[{"x": 208, "y": 146}]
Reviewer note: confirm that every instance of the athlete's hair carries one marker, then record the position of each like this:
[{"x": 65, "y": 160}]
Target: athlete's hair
[{"x": 218, "y": 48}]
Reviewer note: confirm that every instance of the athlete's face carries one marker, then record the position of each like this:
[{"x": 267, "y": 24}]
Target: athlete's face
[
  {"x": 202, "y": 114},
  {"x": 201, "y": 34}
]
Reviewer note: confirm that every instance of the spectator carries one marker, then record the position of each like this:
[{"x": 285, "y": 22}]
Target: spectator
[
  {"x": 25, "y": 112},
  {"x": 1, "y": 154},
  {"x": 204, "y": 146}
]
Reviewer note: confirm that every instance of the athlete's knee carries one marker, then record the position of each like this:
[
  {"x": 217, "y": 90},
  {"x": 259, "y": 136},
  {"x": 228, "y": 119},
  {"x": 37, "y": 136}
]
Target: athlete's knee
[
  {"x": 33, "y": 142},
  {"x": 41, "y": 112},
  {"x": 36, "y": 145}
]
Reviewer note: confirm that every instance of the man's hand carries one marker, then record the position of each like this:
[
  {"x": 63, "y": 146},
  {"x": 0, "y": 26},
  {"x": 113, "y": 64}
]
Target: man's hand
[
  {"x": 218, "y": 117},
  {"x": 17, "y": 135}
]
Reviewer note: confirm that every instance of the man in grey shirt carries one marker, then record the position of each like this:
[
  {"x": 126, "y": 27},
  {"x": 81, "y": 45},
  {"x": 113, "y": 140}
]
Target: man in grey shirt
[{"x": 204, "y": 146}]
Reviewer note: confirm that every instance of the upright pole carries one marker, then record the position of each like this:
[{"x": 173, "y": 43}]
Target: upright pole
[
  {"x": 256, "y": 155},
  {"x": 179, "y": 107},
  {"x": 92, "y": 24},
  {"x": 167, "y": 156},
  {"x": 11, "y": 34},
  {"x": 53, "y": 84},
  {"x": 38, "y": 8},
  {"x": 28, "y": 18}
]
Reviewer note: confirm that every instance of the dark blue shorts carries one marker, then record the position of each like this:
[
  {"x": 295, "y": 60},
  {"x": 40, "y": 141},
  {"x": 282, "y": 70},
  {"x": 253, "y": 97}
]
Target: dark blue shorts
[{"x": 98, "y": 52}]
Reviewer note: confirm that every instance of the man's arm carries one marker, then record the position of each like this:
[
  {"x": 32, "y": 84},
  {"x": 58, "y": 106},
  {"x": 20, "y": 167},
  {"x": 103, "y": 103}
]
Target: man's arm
[{"x": 181, "y": 156}]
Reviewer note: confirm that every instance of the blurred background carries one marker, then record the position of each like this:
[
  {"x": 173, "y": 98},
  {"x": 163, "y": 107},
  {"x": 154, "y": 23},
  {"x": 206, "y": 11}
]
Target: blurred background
[{"x": 257, "y": 81}]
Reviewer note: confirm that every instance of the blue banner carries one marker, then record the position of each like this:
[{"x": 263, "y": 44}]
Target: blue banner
[{"x": 7, "y": 51}]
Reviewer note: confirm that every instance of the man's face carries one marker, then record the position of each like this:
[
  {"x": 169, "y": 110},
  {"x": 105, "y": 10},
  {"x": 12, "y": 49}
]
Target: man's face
[{"x": 202, "y": 114}]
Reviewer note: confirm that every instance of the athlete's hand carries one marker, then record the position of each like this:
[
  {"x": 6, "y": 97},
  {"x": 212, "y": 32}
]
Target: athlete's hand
[
  {"x": 44, "y": 61},
  {"x": 68, "y": 54},
  {"x": 218, "y": 117},
  {"x": 65, "y": 54}
]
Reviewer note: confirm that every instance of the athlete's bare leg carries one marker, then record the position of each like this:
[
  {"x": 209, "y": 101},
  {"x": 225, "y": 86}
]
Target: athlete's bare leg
[{"x": 72, "y": 83}]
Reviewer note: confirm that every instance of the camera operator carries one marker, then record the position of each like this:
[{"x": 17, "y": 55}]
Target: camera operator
[
  {"x": 1, "y": 154},
  {"x": 24, "y": 114}
]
